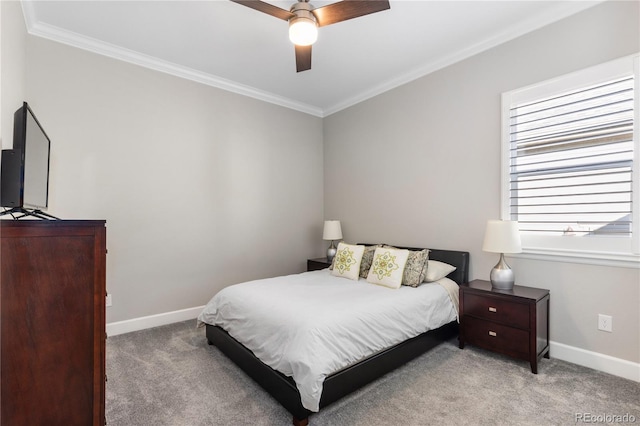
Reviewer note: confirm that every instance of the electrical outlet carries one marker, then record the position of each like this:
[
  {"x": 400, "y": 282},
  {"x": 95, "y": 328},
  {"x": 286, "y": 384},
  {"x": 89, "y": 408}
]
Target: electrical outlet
[
  {"x": 605, "y": 323},
  {"x": 109, "y": 299}
]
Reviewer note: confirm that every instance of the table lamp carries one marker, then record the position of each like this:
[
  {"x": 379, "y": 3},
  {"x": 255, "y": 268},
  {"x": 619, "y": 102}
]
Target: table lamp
[
  {"x": 332, "y": 231},
  {"x": 502, "y": 236}
]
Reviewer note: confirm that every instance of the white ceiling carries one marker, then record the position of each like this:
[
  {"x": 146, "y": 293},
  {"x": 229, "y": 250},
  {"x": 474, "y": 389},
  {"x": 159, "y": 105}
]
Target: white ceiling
[{"x": 233, "y": 47}]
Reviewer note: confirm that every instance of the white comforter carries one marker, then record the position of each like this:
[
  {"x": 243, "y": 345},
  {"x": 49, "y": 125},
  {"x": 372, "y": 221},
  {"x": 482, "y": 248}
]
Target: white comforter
[{"x": 310, "y": 325}]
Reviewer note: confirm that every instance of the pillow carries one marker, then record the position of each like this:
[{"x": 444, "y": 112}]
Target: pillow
[
  {"x": 415, "y": 270},
  {"x": 346, "y": 262},
  {"x": 387, "y": 267},
  {"x": 438, "y": 270},
  {"x": 367, "y": 259}
]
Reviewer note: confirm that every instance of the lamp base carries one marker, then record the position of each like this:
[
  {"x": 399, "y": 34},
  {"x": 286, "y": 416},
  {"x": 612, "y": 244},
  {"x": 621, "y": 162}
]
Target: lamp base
[
  {"x": 331, "y": 252},
  {"x": 502, "y": 276}
]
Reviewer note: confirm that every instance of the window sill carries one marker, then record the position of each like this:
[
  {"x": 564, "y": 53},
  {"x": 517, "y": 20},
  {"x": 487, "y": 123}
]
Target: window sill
[{"x": 617, "y": 260}]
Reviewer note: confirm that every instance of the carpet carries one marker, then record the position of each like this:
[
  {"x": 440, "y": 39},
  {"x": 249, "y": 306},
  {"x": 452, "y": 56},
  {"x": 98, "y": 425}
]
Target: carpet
[{"x": 170, "y": 376}]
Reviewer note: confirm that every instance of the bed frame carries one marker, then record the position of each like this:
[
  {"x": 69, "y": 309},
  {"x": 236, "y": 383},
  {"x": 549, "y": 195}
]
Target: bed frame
[{"x": 347, "y": 380}]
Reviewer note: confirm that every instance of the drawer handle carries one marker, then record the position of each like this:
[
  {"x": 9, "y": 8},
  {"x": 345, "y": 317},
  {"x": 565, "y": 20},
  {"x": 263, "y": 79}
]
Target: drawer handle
[
  {"x": 492, "y": 333},
  {"x": 492, "y": 309}
]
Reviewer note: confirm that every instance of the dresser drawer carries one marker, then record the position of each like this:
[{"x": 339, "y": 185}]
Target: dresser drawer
[
  {"x": 497, "y": 337},
  {"x": 496, "y": 309}
]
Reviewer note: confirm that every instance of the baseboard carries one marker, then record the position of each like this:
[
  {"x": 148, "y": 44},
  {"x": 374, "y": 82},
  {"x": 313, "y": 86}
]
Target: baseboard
[
  {"x": 597, "y": 361},
  {"x": 135, "y": 324}
]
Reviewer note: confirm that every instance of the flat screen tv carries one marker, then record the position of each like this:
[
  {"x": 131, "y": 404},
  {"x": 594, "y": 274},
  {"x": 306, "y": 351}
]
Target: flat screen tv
[{"x": 25, "y": 168}]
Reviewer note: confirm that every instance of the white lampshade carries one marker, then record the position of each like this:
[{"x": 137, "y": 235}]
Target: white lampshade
[
  {"x": 502, "y": 236},
  {"x": 303, "y": 31},
  {"x": 332, "y": 230}
]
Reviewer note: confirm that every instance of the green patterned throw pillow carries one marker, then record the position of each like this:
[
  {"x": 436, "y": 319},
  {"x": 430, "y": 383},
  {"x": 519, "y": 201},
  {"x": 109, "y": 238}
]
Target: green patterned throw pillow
[
  {"x": 415, "y": 270},
  {"x": 387, "y": 267},
  {"x": 347, "y": 261}
]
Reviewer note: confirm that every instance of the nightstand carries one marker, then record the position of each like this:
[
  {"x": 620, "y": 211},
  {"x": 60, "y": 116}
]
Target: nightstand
[
  {"x": 511, "y": 322},
  {"x": 316, "y": 264}
]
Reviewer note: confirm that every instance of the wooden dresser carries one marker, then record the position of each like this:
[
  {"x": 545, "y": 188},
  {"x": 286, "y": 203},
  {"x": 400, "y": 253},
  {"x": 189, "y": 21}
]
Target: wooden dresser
[
  {"x": 52, "y": 315},
  {"x": 511, "y": 322}
]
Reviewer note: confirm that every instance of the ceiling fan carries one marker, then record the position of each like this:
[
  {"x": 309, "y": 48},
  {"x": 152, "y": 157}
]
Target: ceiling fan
[{"x": 304, "y": 20}]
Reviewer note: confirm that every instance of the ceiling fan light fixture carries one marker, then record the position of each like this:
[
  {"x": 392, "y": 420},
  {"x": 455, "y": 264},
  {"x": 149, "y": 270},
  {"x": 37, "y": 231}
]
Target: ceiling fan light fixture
[
  {"x": 304, "y": 20},
  {"x": 303, "y": 31}
]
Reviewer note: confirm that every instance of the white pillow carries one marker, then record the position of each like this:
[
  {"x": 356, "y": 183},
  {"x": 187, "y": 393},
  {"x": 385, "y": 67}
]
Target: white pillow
[
  {"x": 346, "y": 263},
  {"x": 437, "y": 270},
  {"x": 387, "y": 267}
]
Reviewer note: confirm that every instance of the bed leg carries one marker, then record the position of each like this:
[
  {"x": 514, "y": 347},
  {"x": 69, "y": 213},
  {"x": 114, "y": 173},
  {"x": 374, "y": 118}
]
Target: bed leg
[{"x": 300, "y": 422}]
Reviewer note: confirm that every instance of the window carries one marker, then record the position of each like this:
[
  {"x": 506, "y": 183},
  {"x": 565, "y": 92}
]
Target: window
[{"x": 571, "y": 162}]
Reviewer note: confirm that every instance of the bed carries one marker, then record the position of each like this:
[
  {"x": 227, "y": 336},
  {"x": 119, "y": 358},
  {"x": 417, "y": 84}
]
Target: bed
[{"x": 339, "y": 379}]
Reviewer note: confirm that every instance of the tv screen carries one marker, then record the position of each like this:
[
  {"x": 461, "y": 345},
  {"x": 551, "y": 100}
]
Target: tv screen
[
  {"x": 36, "y": 146},
  {"x": 25, "y": 169}
]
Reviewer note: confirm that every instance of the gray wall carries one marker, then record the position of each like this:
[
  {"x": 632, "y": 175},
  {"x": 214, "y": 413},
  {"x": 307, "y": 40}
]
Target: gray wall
[
  {"x": 420, "y": 165},
  {"x": 12, "y": 68},
  {"x": 201, "y": 188}
]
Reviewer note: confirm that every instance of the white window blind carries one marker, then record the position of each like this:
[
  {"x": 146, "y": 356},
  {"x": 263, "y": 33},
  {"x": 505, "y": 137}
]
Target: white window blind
[{"x": 571, "y": 160}]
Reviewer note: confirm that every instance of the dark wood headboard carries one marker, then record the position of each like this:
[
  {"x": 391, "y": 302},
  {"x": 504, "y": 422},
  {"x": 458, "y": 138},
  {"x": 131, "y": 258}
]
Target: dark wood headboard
[{"x": 459, "y": 259}]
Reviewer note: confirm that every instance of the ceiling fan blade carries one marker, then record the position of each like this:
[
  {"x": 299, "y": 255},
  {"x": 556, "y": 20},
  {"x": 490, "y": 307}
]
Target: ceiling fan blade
[
  {"x": 267, "y": 8},
  {"x": 303, "y": 58},
  {"x": 348, "y": 9}
]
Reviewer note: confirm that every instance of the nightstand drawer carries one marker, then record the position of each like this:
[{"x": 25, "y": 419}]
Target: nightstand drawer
[
  {"x": 497, "y": 337},
  {"x": 495, "y": 309}
]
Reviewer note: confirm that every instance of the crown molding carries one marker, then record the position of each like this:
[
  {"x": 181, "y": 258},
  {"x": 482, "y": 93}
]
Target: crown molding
[
  {"x": 36, "y": 28},
  {"x": 70, "y": 38},
  {"x": 561, "y": 11}
]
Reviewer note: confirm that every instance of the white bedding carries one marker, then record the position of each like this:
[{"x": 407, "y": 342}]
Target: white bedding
[{"x": 310, "y": 325}]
